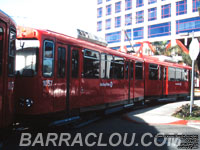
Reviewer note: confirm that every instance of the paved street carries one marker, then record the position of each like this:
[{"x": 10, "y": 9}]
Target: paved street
[{"x": 141, "y": 125}]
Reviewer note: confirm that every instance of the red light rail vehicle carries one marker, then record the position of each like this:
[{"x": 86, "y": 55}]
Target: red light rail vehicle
[
  {"x": 7, "y": 69},
  {"x": 166, "y": 79},
  {"x": 61, "y": 76}
]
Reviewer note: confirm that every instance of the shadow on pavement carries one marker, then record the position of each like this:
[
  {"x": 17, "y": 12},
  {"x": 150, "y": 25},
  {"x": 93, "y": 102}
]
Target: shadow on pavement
[{"x": 111, "y": 132}]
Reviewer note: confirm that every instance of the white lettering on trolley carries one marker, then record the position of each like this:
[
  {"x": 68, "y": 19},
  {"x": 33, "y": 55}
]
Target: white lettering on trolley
[
  {"x": 107, "y": 84},
  {"x": 178, "y": 84},
  {"x": 47, "y": 83}
]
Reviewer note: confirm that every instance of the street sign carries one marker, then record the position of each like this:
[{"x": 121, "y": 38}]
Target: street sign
[
  {"x": 194, "y": 49},
  {"x": 193, "y": 52}
]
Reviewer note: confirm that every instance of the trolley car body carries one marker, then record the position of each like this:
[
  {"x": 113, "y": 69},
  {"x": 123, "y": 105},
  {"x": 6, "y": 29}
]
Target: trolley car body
[
  {"x": 7, "y": 63},
  {"x": 59, "y": 74}
]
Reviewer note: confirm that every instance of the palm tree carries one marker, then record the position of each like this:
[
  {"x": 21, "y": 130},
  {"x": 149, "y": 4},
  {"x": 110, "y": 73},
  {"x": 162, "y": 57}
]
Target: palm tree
[{"x": 175, "y": 50}]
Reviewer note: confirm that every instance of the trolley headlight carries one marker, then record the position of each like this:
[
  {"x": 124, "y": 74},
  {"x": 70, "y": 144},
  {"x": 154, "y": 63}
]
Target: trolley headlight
[
  {"x": 29, "y": 102},
  {"x": 25, "y": 102}
]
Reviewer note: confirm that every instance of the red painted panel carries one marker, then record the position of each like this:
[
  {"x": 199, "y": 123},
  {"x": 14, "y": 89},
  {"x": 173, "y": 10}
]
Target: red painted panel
[
  {"x": 90, "y": 93},
  {"x": 139, "y": 88}
]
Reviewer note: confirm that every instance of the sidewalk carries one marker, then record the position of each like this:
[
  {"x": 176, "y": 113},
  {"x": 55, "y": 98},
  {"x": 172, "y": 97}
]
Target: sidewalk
[{"x": 161, "y": 115}]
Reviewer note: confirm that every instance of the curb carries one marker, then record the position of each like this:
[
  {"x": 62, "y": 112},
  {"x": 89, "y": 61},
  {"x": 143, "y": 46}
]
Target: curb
[
  {"x": 178, "y": 122},
  {"x": 195, "y": 122}
]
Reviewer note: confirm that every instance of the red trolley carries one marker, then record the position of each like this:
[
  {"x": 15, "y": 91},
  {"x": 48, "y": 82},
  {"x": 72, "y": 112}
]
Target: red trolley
[{"x": 7, "y": 69}]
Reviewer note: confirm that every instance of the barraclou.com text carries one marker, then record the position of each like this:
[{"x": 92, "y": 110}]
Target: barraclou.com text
[{"x": 94, "y": 139}]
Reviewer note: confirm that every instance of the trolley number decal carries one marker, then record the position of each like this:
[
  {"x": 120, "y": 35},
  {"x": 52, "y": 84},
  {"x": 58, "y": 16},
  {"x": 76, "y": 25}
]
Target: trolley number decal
[
  {"x": 178, "y": 84},
  {"x": 106, "y": 84}
]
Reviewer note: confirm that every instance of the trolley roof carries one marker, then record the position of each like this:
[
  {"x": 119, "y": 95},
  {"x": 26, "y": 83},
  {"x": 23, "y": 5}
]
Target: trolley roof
[{"x": 30, "y": 33}]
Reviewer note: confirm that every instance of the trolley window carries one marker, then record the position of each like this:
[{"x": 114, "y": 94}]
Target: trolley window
[
  {"x": 171, "y": 74},
  {"x": 153, "y": 72},
  {"x": 184, "y": 74},
  {"x": 160, "y": 72},
  {"x": 103, "y": 66},
  {"x": 61, "y": 62},
  {"x": 178, "y": 74},
  {"x": 131, "y": 71},
  {"x": 126, "y": 69},
  {"x": 165, "y": 73},
  {"x": 27, "y": 57},
  {"x": 1, "y": 49},
  {"x": 110, "y": 67},
  {"x": 48, "y": 58},
  {"x": 91, "y": 65},
  {"x": 118, "y": 68},
  {"x": 138, "y": 71},
  {"x": 107, "y": 66},
  {"x": 75, "y": 63},
  {"x": 11, "y": 55}
]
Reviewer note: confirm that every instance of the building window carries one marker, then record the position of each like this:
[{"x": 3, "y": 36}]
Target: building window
[
  {"x": 139, "y": 3},
  {"x": 113, "y": 37},
  {"x": 140, "y": 16},
  {"x": 115, "y": 48},
  {"x": 128, "y": 4},
  {"x": 195, "y": 5},
  {"x": 157, "y": 30},
  {"x": 188, "y": 25},
  {"x": 127, "y": 35},
  {"x": 138, "y": 33},
  {"x": 99, "y": 12},
  {"x": 91, "y": 65},
  {"x": 128, "y": 19},
  {"x": 108, "y": 10},
  {"x": 152, "y": 1},
  {"x": 99, "y": 1},
  {"x": 108, "y": 24},
  {"x": 117, "y": 7},
  {"x": 152, "y": 14},
  {"x": 117, "y": 22},
  {"x": 99, "y": 25},
  {"x": 166, "y": 11},
  {"x": 181, "y": 7}
]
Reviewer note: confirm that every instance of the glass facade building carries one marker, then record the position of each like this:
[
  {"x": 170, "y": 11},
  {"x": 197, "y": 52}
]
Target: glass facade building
[{"x": 146, "y": 20}]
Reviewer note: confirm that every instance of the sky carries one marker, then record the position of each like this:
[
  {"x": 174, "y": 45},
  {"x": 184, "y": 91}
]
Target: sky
[{"x": 63, "y": 16}]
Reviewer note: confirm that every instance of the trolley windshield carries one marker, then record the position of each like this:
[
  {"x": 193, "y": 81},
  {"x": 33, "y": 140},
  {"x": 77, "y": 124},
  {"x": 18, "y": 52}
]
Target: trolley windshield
[{"x": 26, "y": 57}]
